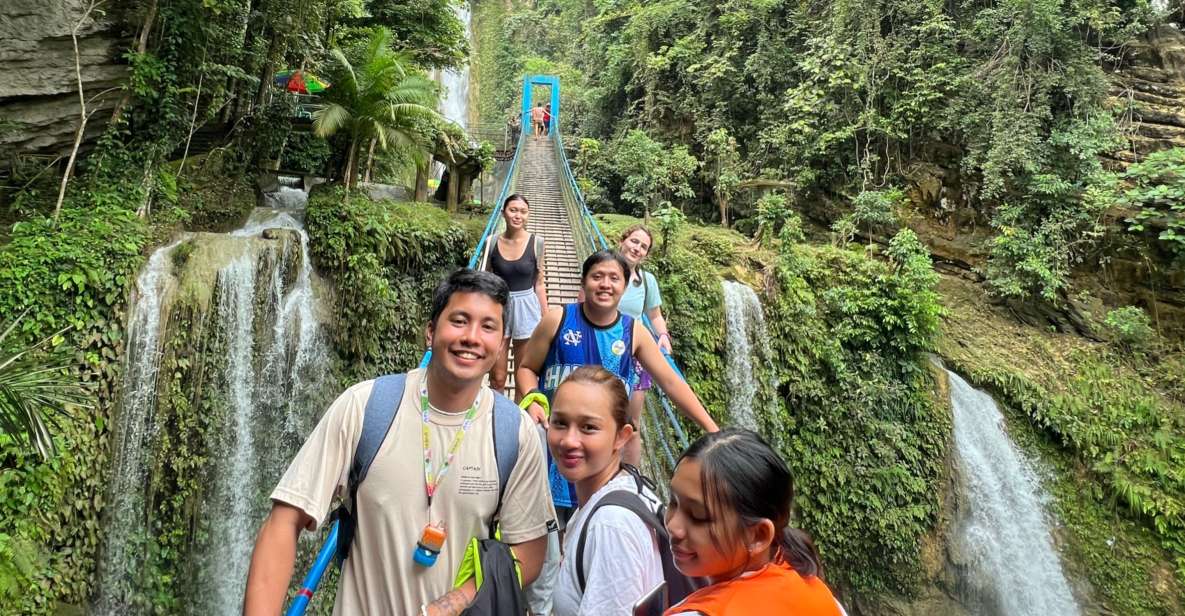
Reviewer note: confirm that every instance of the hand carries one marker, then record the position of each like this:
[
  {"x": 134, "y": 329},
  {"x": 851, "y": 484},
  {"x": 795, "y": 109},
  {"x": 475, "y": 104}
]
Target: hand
[
  {"x": 535, "y": 410},
  {"x": 664, "y": 343},
  {"x": 711, "y": 426}
]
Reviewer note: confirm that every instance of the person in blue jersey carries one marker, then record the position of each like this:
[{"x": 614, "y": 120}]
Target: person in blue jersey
[{"x": 592, "y": 332}]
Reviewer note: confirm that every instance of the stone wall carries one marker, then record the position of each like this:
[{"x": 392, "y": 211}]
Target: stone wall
[{"x": 38, "y": 87}]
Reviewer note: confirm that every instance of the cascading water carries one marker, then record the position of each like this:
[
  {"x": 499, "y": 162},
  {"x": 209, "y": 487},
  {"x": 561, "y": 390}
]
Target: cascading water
[
  {"x": 744, "y": 326},
  {"x": 1003, "y": 535},
  {"x": 270, "y": 361},
  {"x": 455, "y": 102},
  {"x": 125, "y": 513},
  {"x": 289, "y": 196}
]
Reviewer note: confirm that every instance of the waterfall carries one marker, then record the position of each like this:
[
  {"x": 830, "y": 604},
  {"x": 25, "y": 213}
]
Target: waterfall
[
  {"x": 125, "y": 523},
  {"x": 1004, "y": 534},
  {"x": 455, "y": 103},
  {"x": 289, "y": 196},
  {"x": 748, "y": 341},
  {"x": 264, "y": 377}
]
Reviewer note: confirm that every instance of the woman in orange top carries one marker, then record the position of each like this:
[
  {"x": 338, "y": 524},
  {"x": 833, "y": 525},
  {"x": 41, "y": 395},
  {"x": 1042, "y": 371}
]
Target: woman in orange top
[{"x": 728, "y": 519}]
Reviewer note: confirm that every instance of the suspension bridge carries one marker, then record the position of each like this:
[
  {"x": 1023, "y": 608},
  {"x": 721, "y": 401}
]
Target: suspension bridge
[{"x": 539, "y": 170}]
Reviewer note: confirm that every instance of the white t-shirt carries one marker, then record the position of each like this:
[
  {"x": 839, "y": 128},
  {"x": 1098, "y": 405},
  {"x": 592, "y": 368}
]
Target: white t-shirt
[
  {"x": 380, "y": 577},
  {"x": 621, "y": 562}
]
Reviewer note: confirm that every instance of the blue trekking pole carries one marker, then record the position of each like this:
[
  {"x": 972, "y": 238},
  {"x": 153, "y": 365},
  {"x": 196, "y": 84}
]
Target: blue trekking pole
[{"x": 313, "y": 579}]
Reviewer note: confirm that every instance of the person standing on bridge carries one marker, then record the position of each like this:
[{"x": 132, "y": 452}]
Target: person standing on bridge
[
  {"x": 434, "y": 479},
  {"x": 517, "y": 257},
  {"x": 642, "y": 301},
  {"x": 591, "y": 332},
  {"x": 537, "y": 117}
]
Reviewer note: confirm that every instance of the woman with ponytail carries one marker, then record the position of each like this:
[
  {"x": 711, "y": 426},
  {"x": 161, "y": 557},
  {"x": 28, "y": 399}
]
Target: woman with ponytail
[{"x": 729, "y": 522}]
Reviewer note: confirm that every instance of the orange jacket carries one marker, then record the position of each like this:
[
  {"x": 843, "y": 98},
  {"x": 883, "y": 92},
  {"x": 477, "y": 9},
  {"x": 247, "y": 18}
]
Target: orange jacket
[{"x": 776, "y": 590}]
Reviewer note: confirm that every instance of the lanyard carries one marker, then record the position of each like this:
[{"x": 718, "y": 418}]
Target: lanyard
[{"x": 430, "y": 482}]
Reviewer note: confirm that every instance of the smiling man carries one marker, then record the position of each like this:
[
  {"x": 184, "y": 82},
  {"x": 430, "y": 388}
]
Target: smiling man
[{"x": 435, "y": 475}]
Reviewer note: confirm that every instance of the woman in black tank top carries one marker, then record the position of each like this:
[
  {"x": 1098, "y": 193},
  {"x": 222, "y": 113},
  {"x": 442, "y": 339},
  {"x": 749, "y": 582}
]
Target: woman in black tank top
[{"x": 516, "y": 256}]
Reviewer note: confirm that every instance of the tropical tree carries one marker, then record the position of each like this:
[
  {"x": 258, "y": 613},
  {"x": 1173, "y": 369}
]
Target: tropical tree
[
  {"x": 31, "y": 387},
  {"x": 381, "y": 98}
]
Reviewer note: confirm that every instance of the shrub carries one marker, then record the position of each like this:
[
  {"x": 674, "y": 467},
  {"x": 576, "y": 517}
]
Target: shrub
[{"x": 1129, "y": 327}]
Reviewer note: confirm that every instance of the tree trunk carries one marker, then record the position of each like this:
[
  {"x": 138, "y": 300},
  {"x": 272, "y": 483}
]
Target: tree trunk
[
  {"x": 141, "y": 47},
  {"x": 192, "y": 125},
  {"x": 370, "y": 160},
  {"x": 464, "y": 188},
  {"x": 454, "y": 186},
  {"x": 723, "y": 210},
  {"x": 351, "y": 164},
  {"x": 421, "y": 191},
  {"x": 82, "y": 116}
]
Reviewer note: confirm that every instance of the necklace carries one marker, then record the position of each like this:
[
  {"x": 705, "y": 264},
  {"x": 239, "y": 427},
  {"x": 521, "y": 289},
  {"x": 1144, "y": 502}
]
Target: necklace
[{"x": 432, "y": 480}]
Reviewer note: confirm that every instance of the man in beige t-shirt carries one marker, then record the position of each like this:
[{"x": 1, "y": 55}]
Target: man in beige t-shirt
[{"x": 380, "y": 577}]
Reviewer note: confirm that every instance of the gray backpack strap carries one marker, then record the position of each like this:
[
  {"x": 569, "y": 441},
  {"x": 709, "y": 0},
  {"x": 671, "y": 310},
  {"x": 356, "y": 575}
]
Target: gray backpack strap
[
  {"x": 385, "y": 396},
  {"x": 506, "y": 420}
]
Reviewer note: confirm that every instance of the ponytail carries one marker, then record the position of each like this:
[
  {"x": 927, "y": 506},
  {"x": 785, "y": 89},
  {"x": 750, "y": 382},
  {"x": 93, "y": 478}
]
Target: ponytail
[
  {"x": 741, "y": 472},
  {"x": 798, "y": 550}
]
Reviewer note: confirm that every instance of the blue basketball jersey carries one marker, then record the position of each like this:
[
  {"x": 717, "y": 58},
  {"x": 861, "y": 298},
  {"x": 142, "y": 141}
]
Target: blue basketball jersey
[{"x": 580, "y": 343}]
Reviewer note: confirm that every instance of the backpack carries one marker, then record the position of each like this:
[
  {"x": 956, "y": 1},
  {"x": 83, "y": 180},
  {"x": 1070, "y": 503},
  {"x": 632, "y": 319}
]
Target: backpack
[
  {"x": 678, "y": 585},
  {"x": 376, "y": 423},
  {"x": 500, "y": 593}
]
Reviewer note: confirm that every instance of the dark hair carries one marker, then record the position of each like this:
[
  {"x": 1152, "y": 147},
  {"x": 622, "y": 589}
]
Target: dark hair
[
  {"x": 601, "y": 256},
  {"x": 612, "y": 387},
  {"x": 465, "y": 280},
  {"x": 740, "y": 471},
  {"x": 515, "y": 197}
]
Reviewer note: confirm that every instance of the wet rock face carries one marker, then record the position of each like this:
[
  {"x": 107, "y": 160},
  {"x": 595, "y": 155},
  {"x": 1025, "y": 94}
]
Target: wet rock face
[{"x": 38, "y": 86}]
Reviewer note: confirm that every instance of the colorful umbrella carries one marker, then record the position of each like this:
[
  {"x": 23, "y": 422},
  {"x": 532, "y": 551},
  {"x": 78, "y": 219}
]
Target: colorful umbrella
[{"x": 300, "y": 82}]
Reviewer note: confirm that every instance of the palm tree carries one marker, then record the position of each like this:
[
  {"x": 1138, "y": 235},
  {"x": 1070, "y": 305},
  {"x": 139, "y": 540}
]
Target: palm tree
[
  {"x": 380, "y": 99},
  {"x": 31, "y": 387}
]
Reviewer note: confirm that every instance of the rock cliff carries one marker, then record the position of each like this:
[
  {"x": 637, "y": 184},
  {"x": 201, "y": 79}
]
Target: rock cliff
[
  {"x": 38, "y": 86},
  {"x": 1150, "y": 92}
]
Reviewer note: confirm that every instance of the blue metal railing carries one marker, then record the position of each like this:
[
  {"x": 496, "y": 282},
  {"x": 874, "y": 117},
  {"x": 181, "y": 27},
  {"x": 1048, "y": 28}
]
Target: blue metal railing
[
  {"x": 593, "y": 230},
  {"x": 325, "y": 555}
]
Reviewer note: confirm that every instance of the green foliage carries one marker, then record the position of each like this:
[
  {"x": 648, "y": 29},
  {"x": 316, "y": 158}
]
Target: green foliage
[
  {"x": 722, "y": 168},
  {"x": 840, "y": 98},
  {"x": 34, "y": 385},
  {"x": 652, "y": 174},
  {"x": 74, "y": 275},
  {"x": 427, "y": 30},
  {"x": 385, "y": 259},
  {"x": 776, "y": 218},
  {"x": 1129, "y": 327},
  {"x": 305, "y": 152},
  {"x": 855, "y": 415},
  {"x": 376, "y": 97},
  {"x": 1156, "y": 191},
  {"x": 871, "y": 209}
]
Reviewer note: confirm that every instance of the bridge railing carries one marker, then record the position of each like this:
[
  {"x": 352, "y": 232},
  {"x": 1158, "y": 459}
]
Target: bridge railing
[{"x": 661, "y": 421}]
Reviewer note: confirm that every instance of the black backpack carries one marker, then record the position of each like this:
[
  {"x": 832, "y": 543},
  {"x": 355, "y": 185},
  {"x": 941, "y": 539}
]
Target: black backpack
[{"x": 678, "y": 585}]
